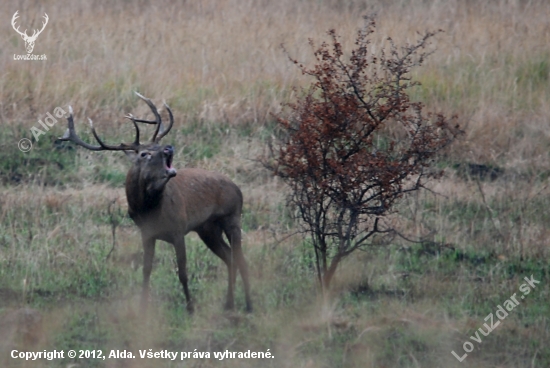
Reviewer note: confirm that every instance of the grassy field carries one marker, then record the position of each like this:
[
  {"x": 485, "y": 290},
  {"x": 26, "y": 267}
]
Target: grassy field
[{"x": 70, "y": 258}]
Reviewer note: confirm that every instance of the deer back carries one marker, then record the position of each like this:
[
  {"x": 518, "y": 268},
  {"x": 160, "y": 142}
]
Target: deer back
[{"x": 187, "y": 201}]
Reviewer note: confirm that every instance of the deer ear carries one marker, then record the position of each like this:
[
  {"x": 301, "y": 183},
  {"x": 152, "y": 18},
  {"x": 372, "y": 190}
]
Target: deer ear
[{"x": 132, "y": 155}]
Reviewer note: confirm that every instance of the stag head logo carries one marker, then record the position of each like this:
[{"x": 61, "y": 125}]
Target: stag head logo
[{"x": 29, "y": 40}]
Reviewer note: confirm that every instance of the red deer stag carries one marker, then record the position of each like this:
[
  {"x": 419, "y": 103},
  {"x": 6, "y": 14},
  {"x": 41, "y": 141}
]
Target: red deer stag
[{"x": 166, "y": 206}]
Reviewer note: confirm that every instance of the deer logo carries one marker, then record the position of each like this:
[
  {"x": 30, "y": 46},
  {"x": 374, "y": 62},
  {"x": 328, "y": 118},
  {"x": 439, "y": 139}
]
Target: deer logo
[{"x": 29, "y": 40}]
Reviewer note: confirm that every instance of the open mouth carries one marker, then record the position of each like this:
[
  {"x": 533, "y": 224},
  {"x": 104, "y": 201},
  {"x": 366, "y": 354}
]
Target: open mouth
[{"x": 169, "y": 155}]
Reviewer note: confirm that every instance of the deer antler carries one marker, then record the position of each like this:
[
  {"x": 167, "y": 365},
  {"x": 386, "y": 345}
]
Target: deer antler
[
  {"x": 15, "y": 16},
  {"x": 156, "y": 138},
  {"x": 70, "y": 135},
  {"x": 24, "y": 34},
  {"x": 36, "y": 33}
]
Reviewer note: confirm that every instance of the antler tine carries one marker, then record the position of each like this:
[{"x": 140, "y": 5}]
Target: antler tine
[
  {"x": 131, "y": 117},
  {"x": 165, "y": 131},
  {"x": 70, "y": 135},
  {"x": 158, "y": 119}
]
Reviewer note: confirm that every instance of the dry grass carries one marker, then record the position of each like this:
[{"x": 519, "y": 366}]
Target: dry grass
[
  {"x": 222, "y": 62},
  {"x": 220, "y": 66}
]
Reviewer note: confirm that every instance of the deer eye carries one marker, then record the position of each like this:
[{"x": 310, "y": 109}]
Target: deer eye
[{"x": 145, "y": 154}]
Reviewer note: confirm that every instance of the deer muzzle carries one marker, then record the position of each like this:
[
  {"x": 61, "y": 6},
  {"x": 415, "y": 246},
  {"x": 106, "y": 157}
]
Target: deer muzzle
[{"x": 168, "y": 156}]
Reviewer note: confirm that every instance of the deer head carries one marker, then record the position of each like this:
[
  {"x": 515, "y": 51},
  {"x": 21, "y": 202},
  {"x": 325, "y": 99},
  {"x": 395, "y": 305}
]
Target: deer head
[
  {"x": 152, "y": 162},
  {"x": 29, "y": 40}
]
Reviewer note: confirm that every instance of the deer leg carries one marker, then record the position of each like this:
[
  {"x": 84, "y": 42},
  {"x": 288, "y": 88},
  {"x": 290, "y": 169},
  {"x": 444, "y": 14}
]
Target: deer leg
[
  {"x": 211, "y": 235},
  {"x": 148, "y": 255},
  {"x": 181, "y": 257},
  {"x": 233, "y": 232}
]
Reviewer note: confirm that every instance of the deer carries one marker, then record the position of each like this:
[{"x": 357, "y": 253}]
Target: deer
[
  {"x": 167, "y": 204},
  {"x": 29, "y": 40}
]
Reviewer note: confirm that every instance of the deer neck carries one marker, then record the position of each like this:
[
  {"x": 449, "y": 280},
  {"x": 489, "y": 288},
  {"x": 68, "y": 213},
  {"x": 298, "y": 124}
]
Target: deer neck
[{"x": 142, "y": 200}]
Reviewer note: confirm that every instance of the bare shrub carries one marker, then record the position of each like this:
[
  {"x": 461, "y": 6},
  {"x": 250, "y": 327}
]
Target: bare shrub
[{"x": 353, "y": 143}]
